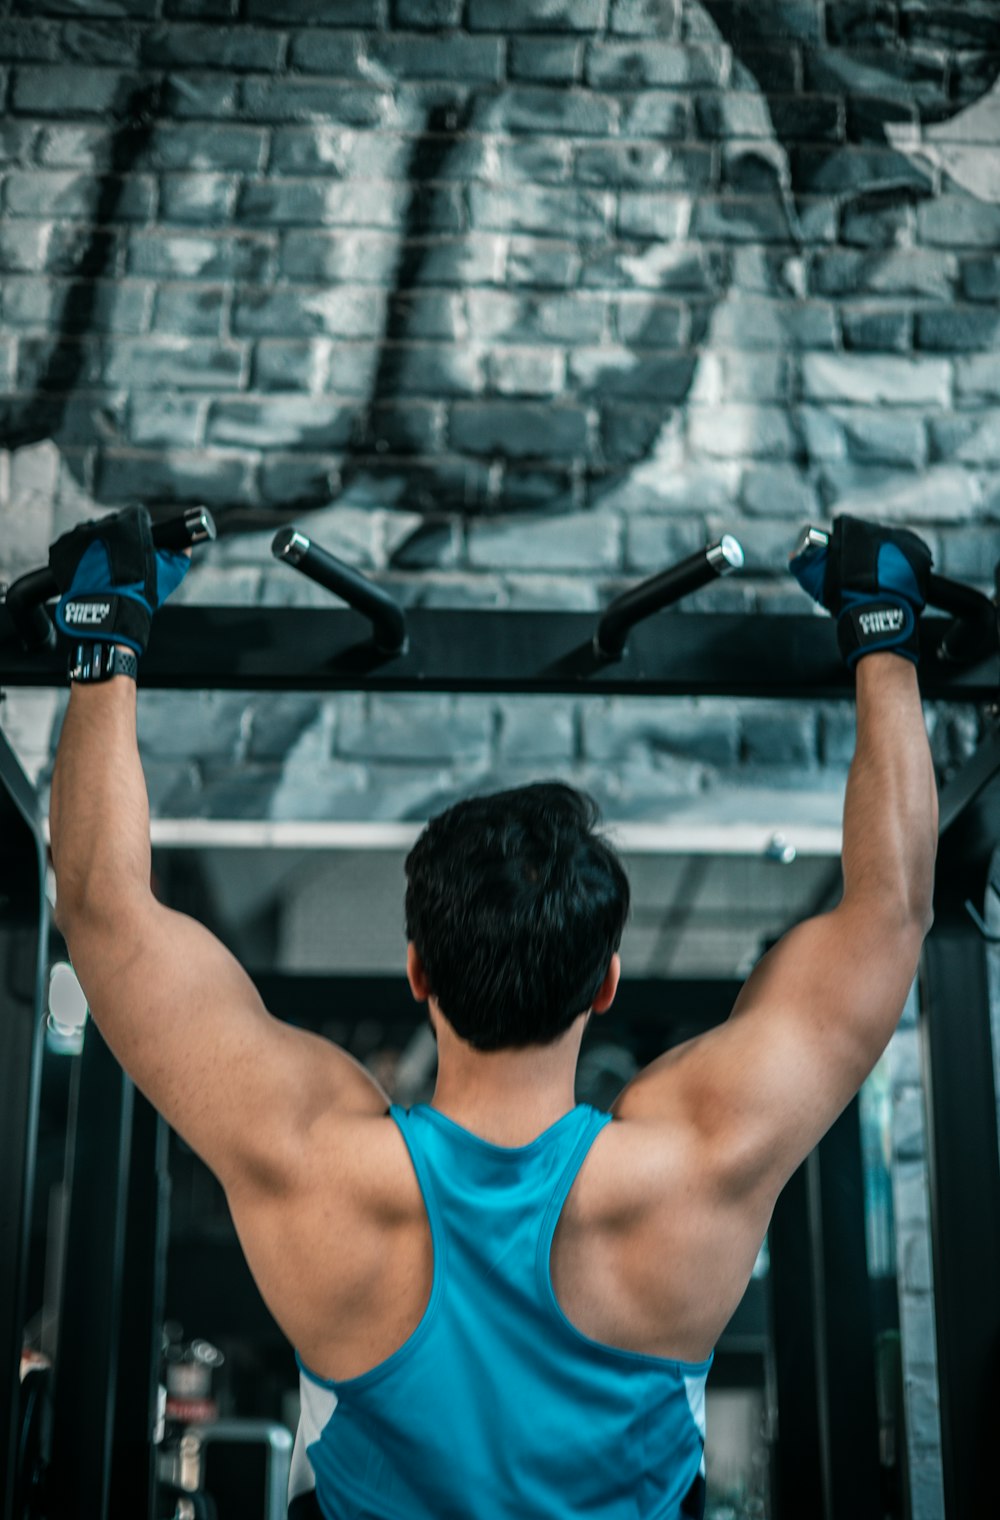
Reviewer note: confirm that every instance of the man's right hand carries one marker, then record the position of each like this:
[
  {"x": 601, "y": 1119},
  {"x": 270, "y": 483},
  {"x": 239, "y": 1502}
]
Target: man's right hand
[
  {"x": 113, "y": 578},
  {"x": 874, "y": 581}
]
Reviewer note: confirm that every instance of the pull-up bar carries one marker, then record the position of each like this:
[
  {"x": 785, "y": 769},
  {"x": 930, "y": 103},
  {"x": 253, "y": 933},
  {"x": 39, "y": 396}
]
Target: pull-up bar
[{"x": 374, "y": 647}]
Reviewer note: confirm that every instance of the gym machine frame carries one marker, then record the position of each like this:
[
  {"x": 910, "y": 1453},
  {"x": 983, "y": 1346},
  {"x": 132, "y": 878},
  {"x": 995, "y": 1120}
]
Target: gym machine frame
[{"x": 373, "y": 646}]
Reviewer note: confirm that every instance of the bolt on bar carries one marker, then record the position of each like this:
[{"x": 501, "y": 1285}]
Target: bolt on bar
[
  {"x": 649, "y": 596},
  {"x": 26, "y": 598},
  {"x": 293, "y": 548}
]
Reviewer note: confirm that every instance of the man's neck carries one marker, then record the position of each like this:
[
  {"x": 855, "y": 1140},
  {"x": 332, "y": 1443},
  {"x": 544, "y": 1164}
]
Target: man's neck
[{"x": 506, "y": 1096}]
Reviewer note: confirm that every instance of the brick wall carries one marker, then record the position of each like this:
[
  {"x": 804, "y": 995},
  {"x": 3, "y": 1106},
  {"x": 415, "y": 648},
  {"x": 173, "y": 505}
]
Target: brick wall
[{"x": 511, "y": 301}]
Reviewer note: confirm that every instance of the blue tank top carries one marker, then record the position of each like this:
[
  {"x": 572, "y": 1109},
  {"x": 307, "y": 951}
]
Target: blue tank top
[{"x": 496, "y": 1407}]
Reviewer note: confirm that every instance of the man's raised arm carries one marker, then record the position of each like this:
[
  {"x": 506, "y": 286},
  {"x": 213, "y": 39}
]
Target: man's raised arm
[
  {"x": 819, "y": 1008},
  {"x": 177, "y": 1010}
]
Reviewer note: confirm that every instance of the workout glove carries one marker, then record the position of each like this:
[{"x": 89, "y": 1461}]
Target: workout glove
[
  {"x": 113, "y": 579},
  {"x": 874, "y": 581}
]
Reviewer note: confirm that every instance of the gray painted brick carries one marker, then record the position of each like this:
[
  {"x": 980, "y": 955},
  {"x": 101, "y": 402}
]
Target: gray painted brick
[
  {"x": 779, "y": 735},
  {"x": 541, "y": 262},
  {"x": 549, "y": 59},
  {"x": 352, "y": 105},
  {"x": 660, "y": 114},
  {"x": 180, "y": 46},
  {"x": 574, "y": 112},
  {"x": 29, "y": 42},
  {"x": 571, "y": 318},
  {"x": 641, "y": 215},
  {"x": 67, "y": 90},
  {"x": 305, "y": 12},
  {"x": 113, "y": 9},
  {"x": 876, "y": 329},
  {"x": 340, "y": 152},
  {"x": 309, "y": 201},
  {"x": 312, "y": 480},
  {"x": 202, "y": 10},
  {"x": 37, "y": 302},
  {"x": 190, "y": 309},
  {"x": 338, "y": 53},
  {"x": 540, "y": 208},
  {"x": 418, "y": 729},
  {"x": 891, "y": 271},
  {"x": 882, "y": 435},
  {"x": 184, "y": 146},
  {"x": 890, "y": 379},
  {"x": 615, "y": 372},
  {"x": 77, "y": 362},
  {"x": 741, "y": 219},
  {"x": 874, "y": 225},
  {"x": 621, "y": 165},
  {"x": 201, "y": 256},
  {"x": 201, "y": 96},
  {"x": 733, "y": 431},
  {"x": 628, "y": 433},
  {"x": 177, "y": 725},
  {"x": 642, "y": 321},
  {"x": 526, "y": 371},
  {"x": 194, "y": 476},
  {"x": 535, "y": 15},
  {"x": 939, "y": 492},
  {"x": 630, "y": 66},
  {"x": 321, "y": 256},
  {"x": 518, "y": 430},
  {"x": 18, "y": 140},
  {"x": 533, "y": 731},
  {"x": 972, "y": 439},
  {"x": 51, "y": 192},
  {"x": 426, "y": 314},
  {"x": 644, "y": 18},
  {"x": 207, "y": 198},
  {"x": 736, "y": 113},
  {"x": 616, "y": 731},
  {"x": 534, "y": 488},
  {"x": 957, "y": 221},
  {"x": 165, "y": 421},
  {"x": 428, "y": 14},
  {"x": 653, "y": 542},
  {"x": 770, "y": 490},
  {"x": 752, "y": 322},
  {"x": 405, "y": 428},
  {"x": 184, "y": 363},
  {"x": 312, "y": 423},
  {"x": 425, "y": 369},
  {"x": 476, "y": 60},
  {"x": 977, "y": 378},
  {"x": 573, "y": 541},
  {"x": 955, "y": 329},
  {"x": 344, "y": 311},
  {"x": 753, "y": 376},
  {"x": 981, "y": 279}
]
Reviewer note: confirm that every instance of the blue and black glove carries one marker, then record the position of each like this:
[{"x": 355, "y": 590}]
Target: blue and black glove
[
  {"x": 874, "y": 581},
  {"x": 113, "y": 578}
]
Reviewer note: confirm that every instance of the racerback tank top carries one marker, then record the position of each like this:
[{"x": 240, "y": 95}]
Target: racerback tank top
[{"x": 496, "y": 1407}]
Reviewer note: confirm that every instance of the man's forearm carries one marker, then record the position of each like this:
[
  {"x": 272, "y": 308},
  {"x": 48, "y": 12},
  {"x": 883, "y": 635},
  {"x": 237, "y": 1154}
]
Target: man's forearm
[
  {"x": 99, "y": 815},
  {"x": 891, "y": 808}
]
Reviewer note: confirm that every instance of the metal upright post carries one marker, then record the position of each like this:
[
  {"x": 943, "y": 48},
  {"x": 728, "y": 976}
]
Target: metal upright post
[
  {"x": 23, "y": 926},
  {"x": 965, "y": 1210},
  {"x": 133, "y": 1467},
  {"x": 91, "y": 1311}
]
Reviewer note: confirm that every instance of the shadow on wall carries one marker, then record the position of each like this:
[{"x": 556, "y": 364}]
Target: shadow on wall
[{"x": 712, "y": 258}]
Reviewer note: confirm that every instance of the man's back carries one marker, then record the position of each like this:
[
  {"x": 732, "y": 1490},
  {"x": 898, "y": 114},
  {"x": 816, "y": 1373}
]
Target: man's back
[{"x": 549, "y": 1417}]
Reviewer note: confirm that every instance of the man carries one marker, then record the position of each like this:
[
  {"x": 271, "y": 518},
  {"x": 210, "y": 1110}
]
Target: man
[{"x": 504, "y": 1305}]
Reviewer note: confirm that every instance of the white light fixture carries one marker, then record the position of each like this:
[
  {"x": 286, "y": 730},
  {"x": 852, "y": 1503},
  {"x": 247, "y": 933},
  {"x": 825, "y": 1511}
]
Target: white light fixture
[{"x": 67, "y": 1015}]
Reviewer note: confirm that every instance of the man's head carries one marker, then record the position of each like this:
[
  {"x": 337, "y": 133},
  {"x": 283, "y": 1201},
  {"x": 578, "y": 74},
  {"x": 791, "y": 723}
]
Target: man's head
[{"x": 515, "y": 907}]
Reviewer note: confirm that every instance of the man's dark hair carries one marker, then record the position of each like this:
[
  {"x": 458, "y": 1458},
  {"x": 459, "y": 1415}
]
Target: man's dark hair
[{"x": 515, "y": 906}]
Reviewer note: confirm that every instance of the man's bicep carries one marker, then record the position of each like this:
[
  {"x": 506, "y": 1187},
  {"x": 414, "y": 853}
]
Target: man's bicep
[
  {"x": 187, "y": 1024},
  {"x": 810, "y": 1023}
]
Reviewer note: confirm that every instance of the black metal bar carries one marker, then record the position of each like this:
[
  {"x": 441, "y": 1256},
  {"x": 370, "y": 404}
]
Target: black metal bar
[
  {"x": 90, "y": 1319},
  {"x": 303, "y": 649},
  {"x": 663, "y": 590},
  {"x": 799, "y": 1460},
  {"x": 23, "y": 925},
  {"x": 969, "y": 782},
  {"x": 133, "y": 1467},
  {"x": 850, "y": 1401},
  {"x": 26, "y": 598},
  {"x": 294, "y": 548},
  {"x": 965, "y": 1209}
]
